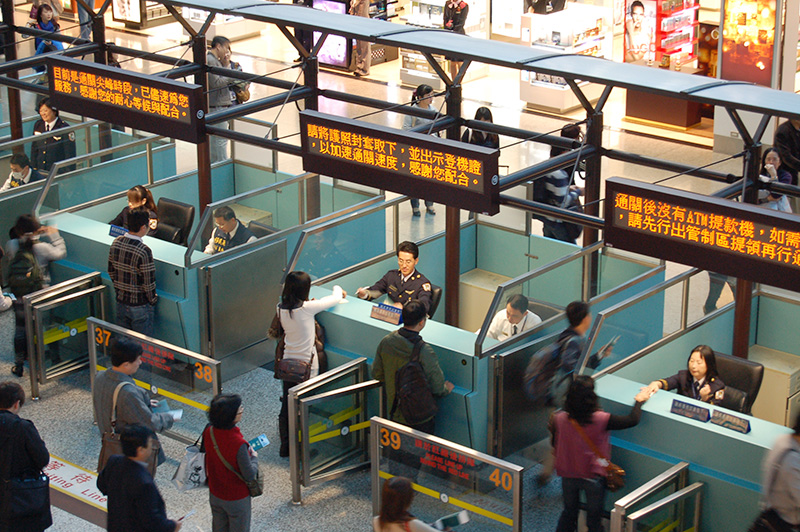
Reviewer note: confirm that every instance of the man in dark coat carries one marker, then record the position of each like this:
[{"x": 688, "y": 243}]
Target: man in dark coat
[
  {"x": 134, "y": 503},
  {"x": 23, "y": 454}
]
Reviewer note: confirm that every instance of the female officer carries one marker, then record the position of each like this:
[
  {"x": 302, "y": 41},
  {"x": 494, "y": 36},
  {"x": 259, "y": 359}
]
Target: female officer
[{"x": 700, "y": 381}]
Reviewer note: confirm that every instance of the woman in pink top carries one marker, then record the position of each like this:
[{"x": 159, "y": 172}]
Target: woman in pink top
[{"x": 576, "y": 463}]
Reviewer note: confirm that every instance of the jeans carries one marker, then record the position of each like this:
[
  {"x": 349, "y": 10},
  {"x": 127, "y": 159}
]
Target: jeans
[
  {"x": 556, "y": 230},
  {"x": 86, "y": 21},
  {"x": 716, "y": 282},
  {"x": 218, "y": 145},
  {"x": 595, "y": 492},
  {"x": 415, "y": 203},
  {"x": 140, "y": 318}
]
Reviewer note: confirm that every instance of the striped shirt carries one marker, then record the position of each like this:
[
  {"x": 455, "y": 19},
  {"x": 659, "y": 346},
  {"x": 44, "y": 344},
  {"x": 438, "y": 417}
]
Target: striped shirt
[
  {"x": 558, "y": 193},
  {"x": 131, "y": 268}
]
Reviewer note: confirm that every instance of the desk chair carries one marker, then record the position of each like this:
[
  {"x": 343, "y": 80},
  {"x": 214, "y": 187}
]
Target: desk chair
[
  {"x": 177, "y": 217},
  {"x": 742, "y": 380},
  {"x": 260, "y": 229},
  {"x": 436, "y": 296}
]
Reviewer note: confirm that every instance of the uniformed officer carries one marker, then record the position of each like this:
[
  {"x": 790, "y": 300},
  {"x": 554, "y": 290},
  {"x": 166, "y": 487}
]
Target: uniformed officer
[
  {"x": 404, "y": 284},
  {"x": 45, "y": 152},
  {"x": 21, "y": 172},
  {"x": 228, "y": 233}
]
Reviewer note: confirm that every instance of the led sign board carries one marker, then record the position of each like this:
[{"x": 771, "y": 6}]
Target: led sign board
[
  {"x": 422, "y": 166},
  {"x": 158, "y": 105},
  {"x": 740, "y": 240}
]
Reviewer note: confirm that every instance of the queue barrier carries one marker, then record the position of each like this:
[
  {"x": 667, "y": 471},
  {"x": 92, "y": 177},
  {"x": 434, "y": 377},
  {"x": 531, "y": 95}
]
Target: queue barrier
[
  {"x": 452, "y": 477},
  {"x": 56, "y": 324},
  {"x": 661, "y": 486},
  {"x": 329, "y": 424},
  {"x": 187, "y": 380}
]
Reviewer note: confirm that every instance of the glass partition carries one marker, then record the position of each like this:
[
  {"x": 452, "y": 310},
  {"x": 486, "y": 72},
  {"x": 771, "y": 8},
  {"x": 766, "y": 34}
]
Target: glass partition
[
  {"x": 178, "y": 378},
  {"x": 679, "y": 511},
  {"x": 447, "y": 477},
  {"x": 551, "y": 288},
  {"x": 656, "y": 489}
]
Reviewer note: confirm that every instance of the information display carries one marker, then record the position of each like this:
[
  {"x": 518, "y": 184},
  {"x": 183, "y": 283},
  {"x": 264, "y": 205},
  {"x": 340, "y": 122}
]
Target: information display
[
  {"x": 161, "y": 106},
  {"x": 423, "y": 166},
  {"x": 740, "y": 240}
]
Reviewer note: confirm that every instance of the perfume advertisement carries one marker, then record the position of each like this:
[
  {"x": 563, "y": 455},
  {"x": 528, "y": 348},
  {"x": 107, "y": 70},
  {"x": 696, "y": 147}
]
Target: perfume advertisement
[{"x": 640, "y": 23}]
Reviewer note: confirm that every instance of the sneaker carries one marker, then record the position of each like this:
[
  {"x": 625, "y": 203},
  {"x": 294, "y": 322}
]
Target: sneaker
[
  {"x": 17, "y": 370},
  {"x": 5, "y": 303},
  {"x": 416, "y": 212},
  {"x": 431, "y": 211}
]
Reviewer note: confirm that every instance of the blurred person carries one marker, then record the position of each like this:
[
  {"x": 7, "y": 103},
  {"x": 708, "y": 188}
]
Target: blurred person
[
  {"x": 133, "y": 403},
  {"x": 134, "y": 503},
  {"x": 780, "y": 500},
  {"x": 422, "y": 97},
  {"x": 395, "y": 350},
  {"x": 45, "y": 152},
  {"x": 45, "y": 21},
  {"x": 787, "y": 142},
  {"x": 32, "y": 249},
  {"x": 716, "y": 283},
  {"x": 228, "y": 495},
  {"x": 21, "y": 172},
  {"x": 133, "y": 272},
  {"x": 699, "y": 380},
  {"x": 560, "y": 191},
  {"x": 454, "y": 19},
  {"x": 481, "y": 138},
  {"x": 397, "y": 494},
  {"x": 403, "y": 284},
  {"x": 580, "y": 469},
  {"x": 514, "y": 319},
  {"x": 362, "y": 50},
  {"x": 139, "y": 197},
  {"x": 228, "y": 232},
  {"x": 296, "y": 314},
  {"x": 23, "y": 454},
  {"x": 773, "y": 170}
]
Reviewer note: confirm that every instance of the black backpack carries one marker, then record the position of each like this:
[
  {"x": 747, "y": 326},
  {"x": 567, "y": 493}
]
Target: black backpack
[
  {"x": 412, "y": 392},
  {"x": 24, "y": 273}
]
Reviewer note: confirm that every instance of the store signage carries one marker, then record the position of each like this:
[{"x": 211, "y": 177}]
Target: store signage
[
  {"x": 422, "y": 166},
  {"x": 729, "y": 421},
  {"x": 740, "y": 240},
  {"x": 689, "y": 410},
  {"x": 158, "y": 105}
]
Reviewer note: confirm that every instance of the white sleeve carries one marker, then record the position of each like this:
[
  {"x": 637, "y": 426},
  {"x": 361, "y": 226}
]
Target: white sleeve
[
  {"x": 318, "y": 305},
  {"x": 56, "y": 249},
  {"x": 7, "y": 184},
  {"x": 210, "y": 246},
  {"x": 494, "y": 327},
  {"x": 251, "y": 239}
]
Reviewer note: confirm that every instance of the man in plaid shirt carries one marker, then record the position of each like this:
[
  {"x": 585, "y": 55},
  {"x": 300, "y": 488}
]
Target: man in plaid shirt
[{"x": 131, "y": 268}]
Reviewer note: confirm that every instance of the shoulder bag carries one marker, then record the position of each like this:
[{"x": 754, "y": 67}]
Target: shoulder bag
[
  {"x": 290, "y": 369},
  {"x": 191, "y": 473},
  {"x": 112, "y": 445},
  {"x": 25, "y": 496},
  {"x": 256, "y": 486},
  {"x": 615, "y": 475}
]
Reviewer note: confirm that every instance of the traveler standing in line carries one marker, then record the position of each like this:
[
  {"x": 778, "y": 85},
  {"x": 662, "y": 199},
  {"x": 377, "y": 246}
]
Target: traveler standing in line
[
  {"x": 133, "y": 272},
  {"x": 580, "y": 469},
  {"x": 23, "y": 454},
  {"x": 24, "y": 277},
  {"x": 397, "y": 495},
  {"x": 422, "y": 98},
  {"x": 362, "y": 58},
  {"x": 134, "y": 503},
  {"x": 296, "y": 315},
  {"x": 395, "y": 350},
  {"x": 220, "y": 94},
  {"x": 228, "y": 495},
  {"x": 780, "y": 500},
  {"x": 133, "y": 403}
]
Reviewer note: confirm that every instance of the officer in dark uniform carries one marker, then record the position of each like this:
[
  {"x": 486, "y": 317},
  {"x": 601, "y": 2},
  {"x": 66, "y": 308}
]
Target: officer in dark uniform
[
  {"x": 21, "y": 172},
  {"x": 404, "y": 284},
  {"x": 45, "y": 152},
  {"x": 228, "y": 233},
  {"x": 699, "y": 381}
]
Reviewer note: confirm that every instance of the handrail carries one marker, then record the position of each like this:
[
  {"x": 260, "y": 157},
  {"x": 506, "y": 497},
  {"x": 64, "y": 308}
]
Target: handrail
[
  {"x": 694, "y": 490},
  {"x": 66, "y": 162},
  {"x": 334, "y": 223},
  {"x": 678, "y": 473},
  {"x": 270, "y": 238},
  {"x": 10, "y": 145}
]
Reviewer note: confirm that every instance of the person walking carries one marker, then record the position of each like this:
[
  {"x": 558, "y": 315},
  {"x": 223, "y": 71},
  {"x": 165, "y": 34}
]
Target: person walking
[
  {"x": 397, "y": 495},
  {"x": 134, "y": 503},
  {"x": 577, "y": 463},
  {"x": 23, "y": 454},
  {"x": 230, "y": 461}
]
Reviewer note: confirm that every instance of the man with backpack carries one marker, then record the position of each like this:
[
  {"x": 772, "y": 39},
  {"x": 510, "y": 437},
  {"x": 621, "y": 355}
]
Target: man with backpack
[{"x": 410, "y": 372}]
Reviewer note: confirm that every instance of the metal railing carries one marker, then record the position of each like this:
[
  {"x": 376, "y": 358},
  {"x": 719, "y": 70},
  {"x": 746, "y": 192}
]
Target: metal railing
[
  {"x": 678, "y": 498},
  {"x": 675, "y": 477}
]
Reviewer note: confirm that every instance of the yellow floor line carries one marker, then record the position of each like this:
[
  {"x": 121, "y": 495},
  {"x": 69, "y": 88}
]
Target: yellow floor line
[{"x": 168, "y": 394}]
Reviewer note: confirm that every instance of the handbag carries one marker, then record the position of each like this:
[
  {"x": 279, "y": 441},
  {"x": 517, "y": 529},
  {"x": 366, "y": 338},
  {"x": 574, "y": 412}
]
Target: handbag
[
  {"x": 290, "y": 369},
  {"x": 27, "y": 496},
  {"x": 111, "y": 442},
  {"x": 256, "y": 486},
  {"x": 242, "y": 94},
  {"x": 615, "y": 475},
  {"x": 191, "y": 472}
]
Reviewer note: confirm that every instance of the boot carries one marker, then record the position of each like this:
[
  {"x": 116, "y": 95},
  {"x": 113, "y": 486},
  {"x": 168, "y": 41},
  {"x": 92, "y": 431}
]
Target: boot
[{"x": 283, "y": 432}]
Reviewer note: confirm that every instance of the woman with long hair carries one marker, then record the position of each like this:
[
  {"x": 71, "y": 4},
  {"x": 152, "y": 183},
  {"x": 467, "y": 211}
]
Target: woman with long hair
[
  {"x": 699, "y": 380},
  {"x": 577, "y": 463},
  {"x": 480, "y": 138},
  {"x": 397, "y": 495},
  {"x": 228, "y": 494},
  {"x": 138, "y": 196},
  {"x": 772, "y": 170},
  {"x": 296, "y": 314}
]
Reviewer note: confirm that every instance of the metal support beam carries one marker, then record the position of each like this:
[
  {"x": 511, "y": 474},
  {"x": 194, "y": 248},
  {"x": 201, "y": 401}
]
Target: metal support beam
[
  {"x": 452, "y": 238},
  {"x": 203, "y": 147},
  {"x": 462, "y": 71},
  {"x": 444, "y": 76},
  {"x": 235, "y": 111},
  {"x": 262, "y": 142},
  {"x": 670, "y": 166},
  {"x": 601, "y": 102},
  {"x": 584, "y": 101},
  {"x": 294, "y": 41},
  {"x": 740, "y": 127},
  {"x": 101, "y": 57},
  {"x": 177, "y": 15},
  {"x": 594, "y": 137},
  {"x": 559, "y": 162},
  {"x": 14, "y": 106},
  {"x": 551, "y": 210},
  {"x": 311, "y": 82}
]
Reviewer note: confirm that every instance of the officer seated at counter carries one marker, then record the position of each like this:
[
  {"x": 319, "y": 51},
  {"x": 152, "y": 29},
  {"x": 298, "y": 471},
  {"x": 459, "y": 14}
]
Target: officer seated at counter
[
  {"x": 404, "y": 284},
  {"x": 228, "y": 233},
  {"x": 699, "y": 380}
]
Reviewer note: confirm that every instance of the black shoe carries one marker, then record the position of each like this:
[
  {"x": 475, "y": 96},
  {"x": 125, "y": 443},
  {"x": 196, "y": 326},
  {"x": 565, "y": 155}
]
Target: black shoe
[
  {"x": 284, "y": 452},
  {"x": 17, "y": 370}
]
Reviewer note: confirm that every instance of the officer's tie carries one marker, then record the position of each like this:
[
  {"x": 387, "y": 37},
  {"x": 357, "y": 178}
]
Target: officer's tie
[
  {"x": 696, "y": 390},
  {"x": 514, "y": 331}
]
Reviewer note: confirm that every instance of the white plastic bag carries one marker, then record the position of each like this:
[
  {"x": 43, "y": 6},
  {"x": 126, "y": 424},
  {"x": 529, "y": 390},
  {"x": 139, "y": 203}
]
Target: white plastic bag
[{"x": 191, "y": 473}]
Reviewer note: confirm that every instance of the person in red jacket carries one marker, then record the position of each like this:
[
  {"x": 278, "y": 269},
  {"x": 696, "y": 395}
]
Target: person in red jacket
[{"x": 227, "y": 450}]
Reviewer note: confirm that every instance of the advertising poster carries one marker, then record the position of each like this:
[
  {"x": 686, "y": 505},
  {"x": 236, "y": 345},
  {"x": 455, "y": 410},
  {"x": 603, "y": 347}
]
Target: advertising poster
[{"x": 640, "y": 31}]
